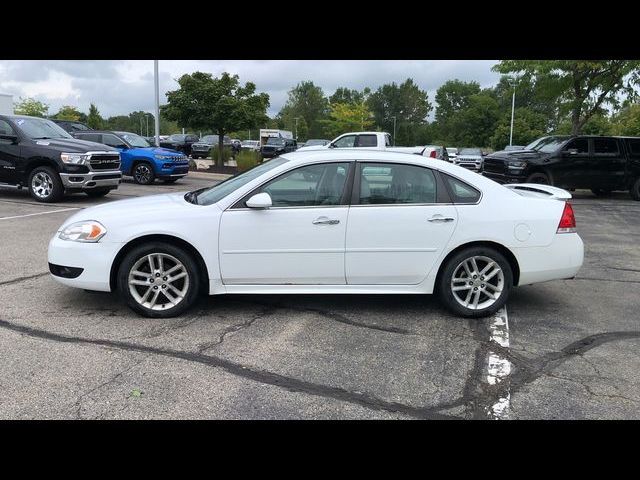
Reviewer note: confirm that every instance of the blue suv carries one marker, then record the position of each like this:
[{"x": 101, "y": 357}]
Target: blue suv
[{"x": 139, "y": 159}]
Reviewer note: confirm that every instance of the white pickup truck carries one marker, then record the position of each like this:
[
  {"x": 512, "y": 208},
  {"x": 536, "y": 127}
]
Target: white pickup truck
[{"x": 371, "y": 141}]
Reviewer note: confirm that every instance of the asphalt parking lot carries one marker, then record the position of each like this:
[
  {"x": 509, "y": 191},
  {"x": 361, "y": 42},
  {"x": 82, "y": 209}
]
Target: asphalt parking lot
[{"x": 560, "y": 350}]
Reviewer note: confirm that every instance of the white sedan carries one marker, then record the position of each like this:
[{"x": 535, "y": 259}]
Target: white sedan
[{"x": 325, "y": 222}]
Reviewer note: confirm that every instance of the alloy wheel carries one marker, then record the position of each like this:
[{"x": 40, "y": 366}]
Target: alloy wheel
[
  {"x": 158, "y": 281},
  {"x": 477, "y": 282},
  {"x": 42, "y": 185},
  {"x": 142, "y": 173}
]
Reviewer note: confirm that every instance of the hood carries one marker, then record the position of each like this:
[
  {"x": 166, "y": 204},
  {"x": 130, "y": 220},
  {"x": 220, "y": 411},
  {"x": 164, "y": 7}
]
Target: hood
[
  {"x": 313, "y": 147},
  {"x": 155, "y": 151},
  {"x": 517, "y": 155},
  {"x": 74, "y": 145}
]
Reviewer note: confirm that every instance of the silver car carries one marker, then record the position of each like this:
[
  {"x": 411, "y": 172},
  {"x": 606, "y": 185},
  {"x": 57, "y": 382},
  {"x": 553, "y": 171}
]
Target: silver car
[{"x": 470, "y": 158}]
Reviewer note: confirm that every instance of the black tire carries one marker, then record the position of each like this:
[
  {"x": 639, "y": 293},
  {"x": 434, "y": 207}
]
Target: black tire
[
  {"x": 97, "y": 192},
  {"x": 191, "y": 285},
  {"x": 635, "y": 189},
  {"x": 454, "y": 266},
  {"x": 45, "y": 185},
  {"x": 143, "y": 173},
  {"x": 600, "y": 192},
  {"x": 538, "y": 177}
]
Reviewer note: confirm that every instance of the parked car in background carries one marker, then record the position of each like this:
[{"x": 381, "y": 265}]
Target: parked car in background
[
  {"x": 71, "y": 126},
  {"x": 421, "y": 227},
  {"x": 202, "y": 148},
  {"x": 277, "y": 146},
  {"x": 601, "y": 164},
  {"x": 453, "y": 153},
  {"x": 39, "y": 154},
  {"x": 180, "y": 142},
  {"x": 250, "y": 145},
  {"x": 470, "y": 158},
  {"x": 438, "y": 152},
  {"x": 140, "y": 160}
]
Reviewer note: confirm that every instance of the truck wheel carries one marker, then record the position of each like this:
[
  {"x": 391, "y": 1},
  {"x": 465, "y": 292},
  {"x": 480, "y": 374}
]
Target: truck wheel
[
  {"x": 600, "y": 192},
  {"x": 158, "y": 280},
  {"x": 475, "y": 282},
  {"x": 143, "y": 174},
  {"x": 45, "y": 185},
  {"x": 98, "y": 192},
  {"x": 540, "y": 178},
  {"x": 635, "y": 190}
]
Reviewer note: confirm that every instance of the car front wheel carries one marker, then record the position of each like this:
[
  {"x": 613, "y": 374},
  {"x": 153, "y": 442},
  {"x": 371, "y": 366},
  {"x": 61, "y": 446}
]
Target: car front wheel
[
  {"x": 45, "y": 185},
  {"x": 143, "y": 174},
  {"x": 475, "y": 282},
  {"x": 540, "y": 178},
  {"x": 158, "y": 280}
]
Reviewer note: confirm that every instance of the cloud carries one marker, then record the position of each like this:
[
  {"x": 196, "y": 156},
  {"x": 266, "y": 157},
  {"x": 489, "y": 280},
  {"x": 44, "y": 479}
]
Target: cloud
[{"x": 121, "y": 86}]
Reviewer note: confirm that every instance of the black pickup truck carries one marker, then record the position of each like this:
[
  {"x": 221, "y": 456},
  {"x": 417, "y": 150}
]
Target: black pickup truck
[
  {"x": 38, "y": 154},
  {"x": 601, "y": 164}
]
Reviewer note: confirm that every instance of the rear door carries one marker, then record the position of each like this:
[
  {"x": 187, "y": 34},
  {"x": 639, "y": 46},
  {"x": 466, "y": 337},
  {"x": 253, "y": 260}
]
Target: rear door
[
  {"x": 608, "y": 164},
  {"x": 9, "y": 154}
]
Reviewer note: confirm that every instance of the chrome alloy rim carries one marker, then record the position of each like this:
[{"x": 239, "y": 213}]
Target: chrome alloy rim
[
  {"x": 42, "y": 184},
  {"x": 143, "y": 173},
  {"x": 477, "y": 282},
  {"x": 158, "y": 281}
]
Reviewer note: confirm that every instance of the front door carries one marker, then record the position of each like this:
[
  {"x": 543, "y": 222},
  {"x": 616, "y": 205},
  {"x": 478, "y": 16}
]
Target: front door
[
  {"x": 9, "y": 154},
  {"x": 397, "y": 229},
  {"x": 299, "y": 240},
  {"x": 574, "y": 169}
]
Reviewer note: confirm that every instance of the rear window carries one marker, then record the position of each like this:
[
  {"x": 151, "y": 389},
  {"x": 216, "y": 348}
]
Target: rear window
[
  {"x": 367, "y": 141},
  {"x": 461, "y": 192},
  {"x": 605, "y": 146}
]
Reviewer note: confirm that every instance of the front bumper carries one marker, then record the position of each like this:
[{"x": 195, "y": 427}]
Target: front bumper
[
  {"x": 91, "y": 180},
  {"x": 169, "y": 170},
  {"x": 95, "y": 260},
  {"x": 474, "y": 167},
  {"x": 503, "y": 178}
]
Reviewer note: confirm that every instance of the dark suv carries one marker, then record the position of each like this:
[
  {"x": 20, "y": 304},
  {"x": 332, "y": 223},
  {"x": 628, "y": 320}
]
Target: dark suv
[
  {"x": 277, "y": 146},
  {"x": 601, "y": 164},
  {"x": 71, "y": 126},
  {"x": 180, "y": 142}
]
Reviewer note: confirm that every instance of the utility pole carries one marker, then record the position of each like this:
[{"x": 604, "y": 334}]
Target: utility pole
[
  {"x": 157, "y": 92},
  {"x": 394, "y": 130},
  {"x": 513, "y": 107},
  {"x": 296, "y": 119}
]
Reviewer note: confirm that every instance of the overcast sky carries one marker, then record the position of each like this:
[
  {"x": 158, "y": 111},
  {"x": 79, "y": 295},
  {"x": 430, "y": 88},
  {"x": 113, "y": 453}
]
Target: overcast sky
[{"x": 118, "y": 87}]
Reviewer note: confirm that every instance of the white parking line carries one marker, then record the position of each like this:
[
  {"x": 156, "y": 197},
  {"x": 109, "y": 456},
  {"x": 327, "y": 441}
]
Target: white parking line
[
  {"x": 40, "y": 213},
  {"x": 498, "y": 367}
]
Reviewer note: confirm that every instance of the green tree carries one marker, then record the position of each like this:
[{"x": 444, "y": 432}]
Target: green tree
[
  {"x": 474, "y": 126},
  {"x": 579, "y": 88},
  {"x": 94, "y": 119},
  {"x": 627, "y": 121},
  {"x": 348, "y": 117},
  {"x": 31, "y": 107},
  {"x": 68, "y": 112},
  {"x": 220, "y": 104},
  {"x": 527, "y": 126},
  {"x": 345, "y": 95},
  {"x": 452, "y": 97},
  {"x": 407, "y": 103},
  {"x": 307, "y": 101}
]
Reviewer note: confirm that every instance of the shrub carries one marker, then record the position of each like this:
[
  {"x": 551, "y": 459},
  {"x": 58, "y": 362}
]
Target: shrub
[
  {"x": 227, "y": 153},
  {"x": 247, "y": 159}
]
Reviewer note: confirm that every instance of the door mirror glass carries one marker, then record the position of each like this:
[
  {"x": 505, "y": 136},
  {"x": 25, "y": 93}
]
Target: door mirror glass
[{"x": 260, "y": 200}]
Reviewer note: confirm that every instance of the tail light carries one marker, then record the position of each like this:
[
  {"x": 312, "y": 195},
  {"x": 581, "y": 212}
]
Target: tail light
[
  {"x": 568, "y": 220},
  {"x": 433, "y": 154}
]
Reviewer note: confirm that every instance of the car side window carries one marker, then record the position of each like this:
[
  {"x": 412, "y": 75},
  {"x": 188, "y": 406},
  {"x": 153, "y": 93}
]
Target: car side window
[
  {"x": 309, "y": 186},
  {"x": 460, "y": 191},
  {"x": 5, "y": 129},
  {"x": 346, "y": 142},
  {"x": 579, "y": 144},
  {"x": 112, "y": 141},
  {"x": 367, "y": 141},
  {"x": 605, "y": 146},
  {"x": 90, "y": 137},
  {"x": 634, "y": 148},
  {"x": 395, "y": 183}
]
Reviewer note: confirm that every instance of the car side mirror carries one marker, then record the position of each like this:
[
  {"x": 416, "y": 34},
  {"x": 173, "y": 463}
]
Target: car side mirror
[
  {"x": 260, "y": 201},
  {"x": 332, "y": 145},
  {"x": 11, "y": 138}
]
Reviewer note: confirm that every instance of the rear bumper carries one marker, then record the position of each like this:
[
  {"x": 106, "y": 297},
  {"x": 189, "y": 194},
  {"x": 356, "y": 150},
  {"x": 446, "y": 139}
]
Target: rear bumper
[
  {"x": 561, "y": 260},
  {"x": 91, "y": 180}
]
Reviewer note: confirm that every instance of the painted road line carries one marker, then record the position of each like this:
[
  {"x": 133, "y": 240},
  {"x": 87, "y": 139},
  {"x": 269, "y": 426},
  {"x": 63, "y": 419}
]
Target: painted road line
[
  {"x": 41, "y": 213},
  {"x": 498, "y": 367}
]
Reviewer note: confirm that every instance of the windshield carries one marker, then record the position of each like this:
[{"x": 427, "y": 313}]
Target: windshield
[
  {"x": 134, "y": 140},
  {"x": 452, "y": 150},
  {"x": 40, "y": 128},
  {"x": 275, "y": 141},
  {"x": 178, "y": 137},
  {"x": 211, "y": 195},
  {"x": 210, "y": 139},
  {"x": 470, "y": 151},
  {"x": 546, "y": 144}
]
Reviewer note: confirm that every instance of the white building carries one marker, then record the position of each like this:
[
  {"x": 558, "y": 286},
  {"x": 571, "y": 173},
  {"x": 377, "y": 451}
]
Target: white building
[{"x": 6, "y": 104}]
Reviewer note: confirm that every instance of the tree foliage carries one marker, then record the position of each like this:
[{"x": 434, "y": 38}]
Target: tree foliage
[
  {"x": 306, "y": 101},
  {"x": 94, "y": 119},
  {"x": 69, "y": 112},
  {"x": 31, "y": 107},
  {"x": 348, "y": 117}
]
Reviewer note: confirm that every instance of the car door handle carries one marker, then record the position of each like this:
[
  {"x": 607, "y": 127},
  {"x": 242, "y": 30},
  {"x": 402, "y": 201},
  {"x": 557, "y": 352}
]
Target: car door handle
[
  {"x": 325, "y": 221},
  {"x": 441, "y": 219}
]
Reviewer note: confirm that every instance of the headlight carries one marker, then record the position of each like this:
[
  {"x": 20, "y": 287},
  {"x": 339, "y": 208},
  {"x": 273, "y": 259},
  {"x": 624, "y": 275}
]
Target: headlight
[
  {"x": 88, "y": 232},
  {"x": 515, "y": 164},
  {"x": 75, "y": 158}
]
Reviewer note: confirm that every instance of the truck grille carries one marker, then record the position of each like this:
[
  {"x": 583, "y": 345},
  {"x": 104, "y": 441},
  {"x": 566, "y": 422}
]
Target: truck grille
[
  {"x": 105, "y": 161},
  {"x": 494, "y": 166}
]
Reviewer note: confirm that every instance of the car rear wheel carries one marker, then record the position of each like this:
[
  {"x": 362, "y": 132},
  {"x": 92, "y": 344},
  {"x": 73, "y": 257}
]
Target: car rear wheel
[
  {"x": 540, "y": 178},
  {"x": 475, "y": 282},
  {"x": 158, "y": 280},
  {"x": 143, "y": 174},
  {"x": 45, "y": 185},
  {"x": 635, "y": 189}
]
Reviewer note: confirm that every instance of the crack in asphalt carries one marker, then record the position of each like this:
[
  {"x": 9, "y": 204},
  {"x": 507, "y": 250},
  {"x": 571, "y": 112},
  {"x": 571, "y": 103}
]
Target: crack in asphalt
[
  {"x": 23, "y": 279},
  {"x": 235, "y": 328}
]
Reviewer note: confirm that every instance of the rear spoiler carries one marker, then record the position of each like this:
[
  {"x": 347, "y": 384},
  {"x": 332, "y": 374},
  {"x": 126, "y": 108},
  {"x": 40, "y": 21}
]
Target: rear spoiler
[{"x": 539, "y": 190}]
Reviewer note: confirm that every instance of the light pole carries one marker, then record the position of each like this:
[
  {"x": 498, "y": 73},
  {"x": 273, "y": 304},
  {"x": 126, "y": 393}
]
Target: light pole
[
  {"x": 513, "y": 107},
  {"x": 296, "y": 119},
  {"x": 146, "y": 116},
  {"x": 157, "y": 92},
  {"x": 394, "y": 130}
]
